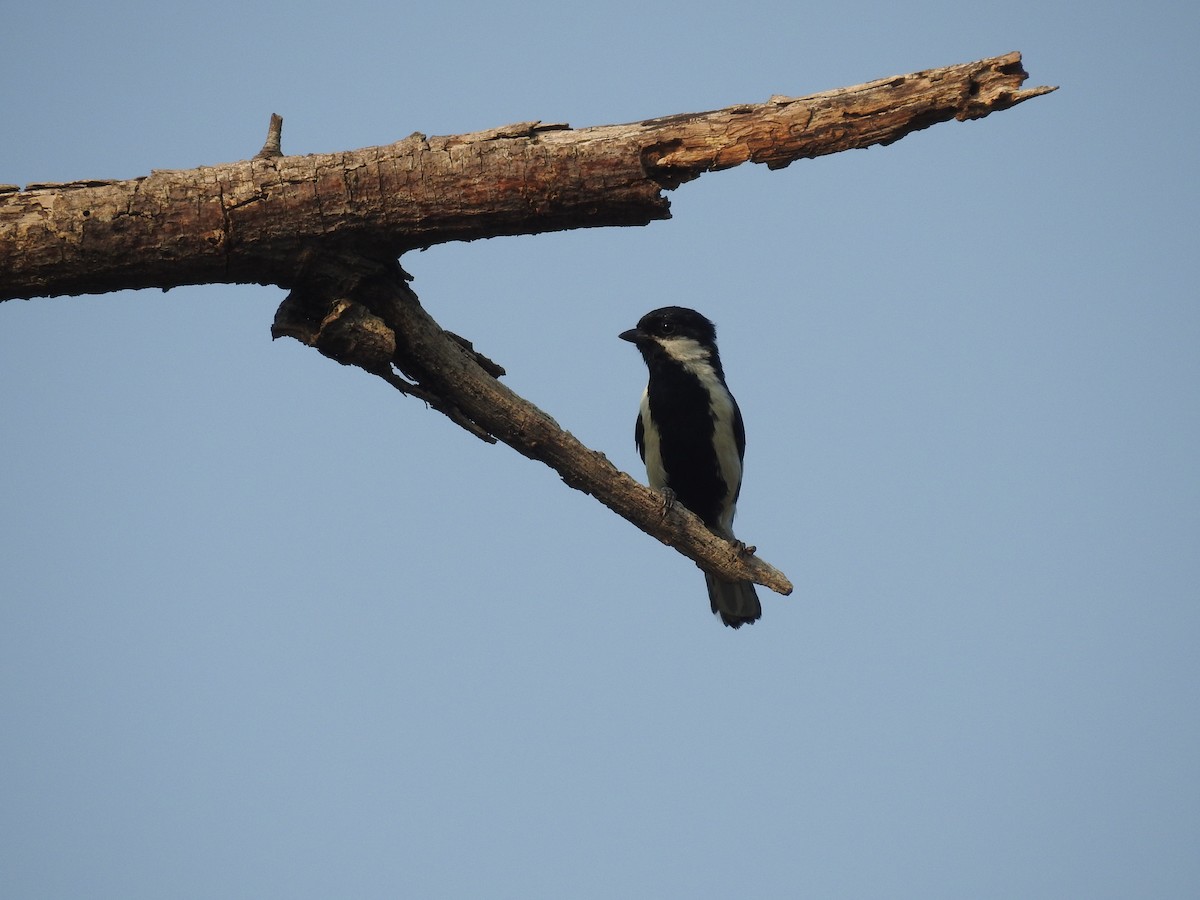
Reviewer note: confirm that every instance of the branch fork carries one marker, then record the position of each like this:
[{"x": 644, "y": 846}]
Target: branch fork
[{"x": 330, "y": 228}]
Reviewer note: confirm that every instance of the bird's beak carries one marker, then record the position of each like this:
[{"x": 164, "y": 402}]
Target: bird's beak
[{"x": 632, "y": 335}]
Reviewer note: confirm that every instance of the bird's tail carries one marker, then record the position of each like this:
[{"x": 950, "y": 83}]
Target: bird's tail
[{"x": 735, "y": 601}]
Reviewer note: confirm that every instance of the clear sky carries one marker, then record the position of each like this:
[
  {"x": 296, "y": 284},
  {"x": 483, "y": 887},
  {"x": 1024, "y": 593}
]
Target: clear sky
[{"x": 269, "y": 629}]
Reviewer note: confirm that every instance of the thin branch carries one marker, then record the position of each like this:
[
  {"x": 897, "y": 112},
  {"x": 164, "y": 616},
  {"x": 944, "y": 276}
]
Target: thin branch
[
  {"x": 436, "y": 358},
  {"x": 375, "y": 322}
]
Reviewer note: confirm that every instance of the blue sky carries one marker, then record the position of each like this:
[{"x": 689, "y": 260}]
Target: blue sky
[{"x": 268, "y": 629}]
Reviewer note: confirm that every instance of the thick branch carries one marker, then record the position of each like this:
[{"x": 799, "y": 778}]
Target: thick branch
[{"x": 251, "y": 221}]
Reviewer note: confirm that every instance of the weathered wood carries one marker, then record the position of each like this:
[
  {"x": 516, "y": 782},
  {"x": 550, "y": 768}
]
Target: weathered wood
[
  {"x": 330, "y": 227},
  {"x": 448, "y": 373},
  {"x": 252, "y": 221}
]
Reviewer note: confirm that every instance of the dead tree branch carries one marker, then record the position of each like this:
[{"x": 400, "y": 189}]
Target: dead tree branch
[
  {"x": 380, "y": 321},
  {"x": 330, "y": 228},
  {"x": 251, "y": 221}
]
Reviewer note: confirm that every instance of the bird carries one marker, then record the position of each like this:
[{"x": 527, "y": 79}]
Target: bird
[{"x": 689, "y": 433}]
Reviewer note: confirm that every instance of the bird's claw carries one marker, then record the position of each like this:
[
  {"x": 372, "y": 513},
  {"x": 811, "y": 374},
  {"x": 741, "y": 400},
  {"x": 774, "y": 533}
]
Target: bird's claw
[{"x": 668, "y": 501}]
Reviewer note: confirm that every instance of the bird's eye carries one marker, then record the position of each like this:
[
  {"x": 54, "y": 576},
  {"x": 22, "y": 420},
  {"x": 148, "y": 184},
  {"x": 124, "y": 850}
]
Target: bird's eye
[{"x": 666, "y": 328}]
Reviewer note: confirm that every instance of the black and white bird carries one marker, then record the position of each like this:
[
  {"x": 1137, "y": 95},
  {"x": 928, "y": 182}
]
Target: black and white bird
[{"x": 690, "y": 435}]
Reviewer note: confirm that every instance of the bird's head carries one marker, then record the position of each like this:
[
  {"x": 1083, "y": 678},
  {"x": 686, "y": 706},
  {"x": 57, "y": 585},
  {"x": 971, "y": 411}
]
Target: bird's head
[{"x": 680, "y": 332}]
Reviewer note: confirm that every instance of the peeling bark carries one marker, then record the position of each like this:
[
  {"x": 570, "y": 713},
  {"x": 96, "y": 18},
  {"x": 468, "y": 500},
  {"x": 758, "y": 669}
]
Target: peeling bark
[
  {"x": 331, "y": 226},
  {"x": 252, "y": 221},
  {"x": 376, "y": 311}
]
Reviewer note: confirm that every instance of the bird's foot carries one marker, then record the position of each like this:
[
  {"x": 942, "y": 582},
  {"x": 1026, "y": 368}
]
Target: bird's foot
[
  {"x": 745, "y": 549},
  {"x": 668, "y": 501}
]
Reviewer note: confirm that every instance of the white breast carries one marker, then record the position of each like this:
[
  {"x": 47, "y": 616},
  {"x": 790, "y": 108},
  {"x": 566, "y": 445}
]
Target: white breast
[{"x": 656, "y": 476}]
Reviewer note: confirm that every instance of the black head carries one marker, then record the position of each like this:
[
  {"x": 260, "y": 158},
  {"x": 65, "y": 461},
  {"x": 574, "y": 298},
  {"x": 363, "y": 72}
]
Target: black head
[{"x": 672, "y": 322}]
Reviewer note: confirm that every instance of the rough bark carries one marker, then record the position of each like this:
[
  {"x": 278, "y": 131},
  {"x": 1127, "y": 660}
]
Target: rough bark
[
  {"x": 331, "y": 226},
  {"x": 252, "y": 221},
  {"x": 446, "y": 370}
]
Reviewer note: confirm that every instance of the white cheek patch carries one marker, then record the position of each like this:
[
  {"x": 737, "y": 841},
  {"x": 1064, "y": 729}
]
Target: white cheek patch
[{"x": 684, "y": 350}]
